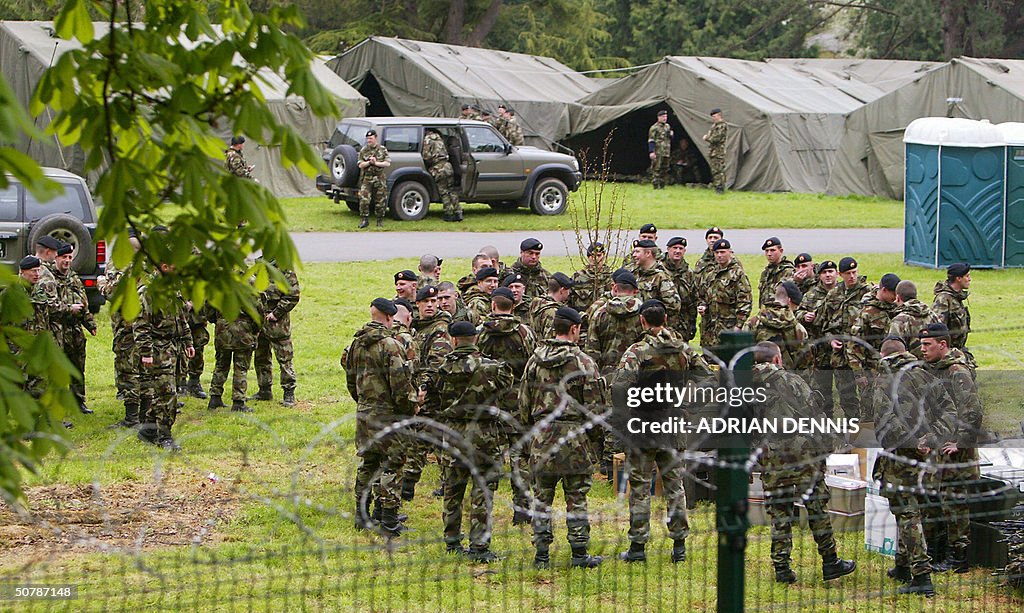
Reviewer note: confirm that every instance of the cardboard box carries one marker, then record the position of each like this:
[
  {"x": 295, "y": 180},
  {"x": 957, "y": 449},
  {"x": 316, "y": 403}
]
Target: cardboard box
[
  {"x": 879, "y": 526},
  {"x": 847, "y": 495}
]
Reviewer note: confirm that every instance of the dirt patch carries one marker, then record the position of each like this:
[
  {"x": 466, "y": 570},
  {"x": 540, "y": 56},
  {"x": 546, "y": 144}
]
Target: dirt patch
[{"x": 136, "y": 516}]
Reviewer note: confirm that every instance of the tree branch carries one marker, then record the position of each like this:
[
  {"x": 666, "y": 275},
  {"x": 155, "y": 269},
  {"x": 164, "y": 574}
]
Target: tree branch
[{"x": 485, "y": 25}]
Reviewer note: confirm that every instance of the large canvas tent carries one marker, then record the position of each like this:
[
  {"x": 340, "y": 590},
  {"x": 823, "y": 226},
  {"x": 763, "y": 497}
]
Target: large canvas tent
[
  {"x": 785, "y": 116},
  {"x": 405, "y": 78},
  {"x": 870, "y": 156},
  {"x": 28, "y": 48}
]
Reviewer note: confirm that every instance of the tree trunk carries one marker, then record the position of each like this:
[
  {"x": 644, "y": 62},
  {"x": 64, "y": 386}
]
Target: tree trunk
[
  {"x": 455, "y": 22},
  {"x": 953, "y": 28},
  {"x": 485, "y": 25}
]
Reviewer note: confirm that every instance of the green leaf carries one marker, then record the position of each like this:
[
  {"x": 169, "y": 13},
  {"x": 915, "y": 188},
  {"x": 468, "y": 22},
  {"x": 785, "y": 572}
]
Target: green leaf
[{"x": 74, "y": 22}]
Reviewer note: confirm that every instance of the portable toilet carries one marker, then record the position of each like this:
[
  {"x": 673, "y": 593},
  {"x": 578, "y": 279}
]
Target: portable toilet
[
  {"x": 1013, "y": 136},
  {"x": 954, "y": 202}
]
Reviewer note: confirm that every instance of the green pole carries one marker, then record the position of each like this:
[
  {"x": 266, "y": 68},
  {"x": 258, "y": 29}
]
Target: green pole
[{"x": 731, "y": 481}]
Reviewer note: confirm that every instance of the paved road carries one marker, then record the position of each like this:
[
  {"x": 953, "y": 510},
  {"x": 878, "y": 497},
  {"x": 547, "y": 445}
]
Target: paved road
[{"x": 368, "y": 246}]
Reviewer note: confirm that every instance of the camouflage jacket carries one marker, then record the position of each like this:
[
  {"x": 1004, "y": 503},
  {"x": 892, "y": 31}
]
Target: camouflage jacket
[
  {"x": 38, "y": 321},
  {"x": 686, "y": 287},
  {"x": 234, "y": 161},
  {"x": 279, "y": 304},
  {"x": 477, "y": 302},
  {"x": 727, "y": 295},
  {"x": 613, "y": 328},
  {"x": 466, "y": 283},
  {"x": 806, "y": 283},
  {"x": 433, "y": 150},
  {"x": 373, "y": 172},
  {"x": 432, "y": 345},
  {"x": 469, "y": 384},
  {"x": 870, "y": 325},
  {"x": 156, "y": 330},
  {"x": 377, "y": 373},
  {"x": 404, "y": 336},
  {"x": 238, "y": 334},
  {"x": 656, "y": 283},
  {"x": 503, "y": 337},
  {"x": 786, "y": 459},
  {"x": 956, "y": 374},
  {"x": 813, "y": 302},
  {"x": 951, "y": 308},
  {"x": 837, "y": 315},
  {"x": 771, "y": 276},
  {"x": 47, "y": 290},
  {"x": 589, "y": 284},
  {"x": 536, "y": 280},
  {"x": 70, "y": 290},
  {"x": 909, "y": 404},
  {"x": 702, "y": 268},
  {"x": 542, "y": 316},
  {"x": 513, "y": 132},
  {"x": 660, "y": 135},
  {"x": 716, "y": 140},
  {"x": 778, "y": 324},
  {"x": 908, "y": 319}
]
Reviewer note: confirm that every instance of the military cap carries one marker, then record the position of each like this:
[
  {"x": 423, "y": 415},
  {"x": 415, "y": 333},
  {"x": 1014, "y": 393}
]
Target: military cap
[
  {"x": 662, "y": 112},
  {"x": 716, "y": 111},
  {"x": 651, "y": 304},
  {"x": 803, "y": 258},
  {"x": 563, "y": 280},
  {"x": 676, "y": 240},
  {"x": 771, "y": 242},
  {"x": 826, "y": 265},
  {"x": 29, "y": 262},
  {"x": 502, "y": 106},
  {"x": 371, "y": 132},
  {"x": 427, "y": 291},
  {"x": 461, "y": 329},
  {"x": 935, "y": 330},
  {"x": 889, "y": 281},
  {"x": 503, "y": 292},
  {"x": 625, "y": 277},
  {"x": 485, "y": 112},
  {"x": 237, "y": 140},
  {"x": 485, "y": 272},
  {"x": 570, "y": 314},
  {"x": 721, "y": 244},
  {"x": 893, "y": 337},
  {"x": 405, "y": 275},
  {"x": 847, "y": 264},
  {"x": 792, "y": 291},
  {"x": 403, "y": 302},
  {"x": 65, "y": 249},
  {"x": 475, "y": 107},
  {"x": 595, "y": 248},
  {"x": 384, "y": 306},
  {"x": 645, "y": 244},
  {"x": 531, "y": 244},
  {"x": 714, "y": 230},
  {"x": 648, "y": 228},
  {"x": 49, "y": 242},
  {"x": 465, "y": 107},
  {"x": 958, "y": 270},
  {"x": 513, "y": 278}
]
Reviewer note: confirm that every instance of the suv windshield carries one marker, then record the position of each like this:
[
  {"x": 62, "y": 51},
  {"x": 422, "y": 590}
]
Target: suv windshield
[{"x": 71, "y": 201}]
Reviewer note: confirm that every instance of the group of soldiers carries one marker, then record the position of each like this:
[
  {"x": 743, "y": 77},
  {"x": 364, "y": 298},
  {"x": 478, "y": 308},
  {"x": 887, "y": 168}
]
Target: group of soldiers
[
  {"x": 659, "y": 148},
  {"x": 519, "y": 362},
  {"x": 504, "y": 121}
]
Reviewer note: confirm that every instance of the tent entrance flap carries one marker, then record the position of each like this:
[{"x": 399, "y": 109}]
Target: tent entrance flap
[
  {"x": 627, "y": 154},
  {"x": 378, "y": 105}
]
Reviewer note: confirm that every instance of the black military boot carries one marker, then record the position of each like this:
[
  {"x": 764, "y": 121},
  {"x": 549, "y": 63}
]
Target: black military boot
[
  {"x": 408, "y": 489},
  {"x": 454, "y": 547},
  {"x": 289, "y": 398},
  {"x": 937, "y": 552},
  {"x": 921, "y": 584},
  {"x": 363, "y": 520},
  {"x": 363, "y": 222},
  {"x": 582, "y": 559},
  {"x": 241, "y": 407},
  {"x": 389, "y": 524},
  {"x": 263, "y": 394},
  {"x": 147, "y": 433},
  {"x": 678, "y": 551},
  {"x": 196, "y": 388},
  {"x": 520, "y": 518},
  {"x": 784, "y": 574},
  {"x": 458, "y": 216},
  {"x": 635, "y": 554},
  {"x": 182, "y": 388},
  {"x": 834, "y": 567},
  {"x": 216, "y": 402},
  {"x": 542, "y": 559},
  {"x": 447, "y": 217},
  {"x": 380, "y": 222},
  {"x": 167, "y": 442},
  {"x": 482, "y": 556},
  {"x": 956, "y": 561},
  {"x": 900, "y": 573},
  {"x": 131, "y": 416},
  {"x": 84, "y": 409}
]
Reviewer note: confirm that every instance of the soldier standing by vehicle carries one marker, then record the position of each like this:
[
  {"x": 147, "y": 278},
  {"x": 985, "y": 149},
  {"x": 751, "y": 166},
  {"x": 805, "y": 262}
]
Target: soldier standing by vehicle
[
  {"x": 72, "y": 295},
  {"x": 659, "y": 149},
  {"x": 715, "y": 139},
  {"x": 435, "y": 157},
  {"x": 276, "y": 335},
  {"x": 373, "y": 183},
  {"x": 511, "y": 129}
]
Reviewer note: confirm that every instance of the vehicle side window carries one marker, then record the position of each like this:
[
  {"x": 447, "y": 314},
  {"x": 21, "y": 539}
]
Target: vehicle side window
[
  {"x": 402, "y": 138},
  {"x": 71, "y": 201},
  {"x": 484, "y": 140},
  {"x": 344, "y": 136},
  {"x": 9, "y": 203},
  {"x": 356, "y": 136}
]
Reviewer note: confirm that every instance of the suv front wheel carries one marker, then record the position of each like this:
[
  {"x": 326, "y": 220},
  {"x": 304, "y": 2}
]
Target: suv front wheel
[
  {"x": 550, "y": 197},
  {"x": 410, "y": 201}
]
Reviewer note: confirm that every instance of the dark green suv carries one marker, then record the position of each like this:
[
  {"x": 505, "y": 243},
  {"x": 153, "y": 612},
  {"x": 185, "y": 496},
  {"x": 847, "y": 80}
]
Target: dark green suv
[
  {"x": 70, "y": 216},
  {"x": 487, "y": 168}
]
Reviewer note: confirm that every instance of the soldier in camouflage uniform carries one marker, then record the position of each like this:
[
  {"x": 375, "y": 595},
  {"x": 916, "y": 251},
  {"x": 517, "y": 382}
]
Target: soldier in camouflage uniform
[
  {"x": 401, "y": 326},
  {"x": 715, "y": 139},
  {"x": 380, "y": 380},
  {"x": 842, "y": 304},
  {"x": 467, "y": 387},
  {"x": 804, "y": 273},
  {"x": 470, "y": 111},
  {"x": 126, "y": 359},
  {"x": 158, "y": 331},
  {"x": 430, "y": 333},
  {"x": 778, "y": 323},
  {"x": 72, "y": 295},
  {"x": 959, "y": 454},
  {"x": 528, "y": 265},
  {"x": 654, "y": 282},
  {"x": 871, "y": 325},
  {"x": 276, "y": 335},
  {"x": 657, "y": 351},
  {"x": 429, "y": 270},
  {"x": 706, "y": 263},
  {"x": 792, "y": 471},
  {"x": 478, "y": 297},
  {"x": 561, "y": 448},
  {"x": 406, "y": 285},
  {"x": 198, "y": 321},
  {"x": 373, "y": 183},
  {"x": 951, "y": 306},
  {"x": 778, "y": 269},
  {"x": 234, "y": 161},
  {"x": 726, "y": 302},
  {"x": 435, "y": 157},
  {"x": 234, "y": 342},
  {"x": 542, "y": 309},
  {"x": 450, "y": 301},
  {"x": 808, "y": 315},
  {"x": 659, "y": 149},
  {"x": 504, "y": 337},
  {"x": 47, "y": 286},
  {"x": 517, "y": 284},
  {"x": 675, "y": 264},
  {"x": 480, "y": 260},
  {"x": 511, "y": 129},
  {"x": 910, "y": 317},
  {"x": 592, "y": 280},
  {"x": 29, "y": 270}
]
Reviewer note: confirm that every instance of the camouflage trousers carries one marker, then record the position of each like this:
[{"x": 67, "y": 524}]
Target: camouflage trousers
[
  {"x": 377, "y": 475},
  {"x": 485, "y": 445},
  {"x": 264, "y": 365},
  {"x": 659, "y": 171},
  {"x": 958, "y": 475},
  {"x": 159, "y": 389},
  {"x": 126, "y": 362},
  {"x": 236, "y": 360},
  {"x": 780, "y": 505},
  {"x": 898, "y": 481},
  {"x": 717, "y": 172},
  {"x": 846, "y": 388},
  {"x": 200, "y": 339},
  {"x": 575, "y": 488},
  {"x": 641, "y": 463},
  {"x": 74, "y": 348},
  {"x": 373, "y": 190},
  {"x": 519, "y": 470},
  {"x": 820, "y": 381},
  {"x": 444, "y": 180}
]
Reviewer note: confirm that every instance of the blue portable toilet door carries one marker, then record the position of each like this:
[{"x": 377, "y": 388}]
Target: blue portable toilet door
[
  {"x": 920, "y": 224},
  {"x": 1014, "y": 235},
  {"x": 970, "y": 212}
]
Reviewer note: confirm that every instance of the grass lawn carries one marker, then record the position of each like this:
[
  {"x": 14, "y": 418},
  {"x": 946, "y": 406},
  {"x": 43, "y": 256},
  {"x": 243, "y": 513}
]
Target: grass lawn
[
  {"x": 271, "y": 528},
  {"x": 674, "y": 207}
]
